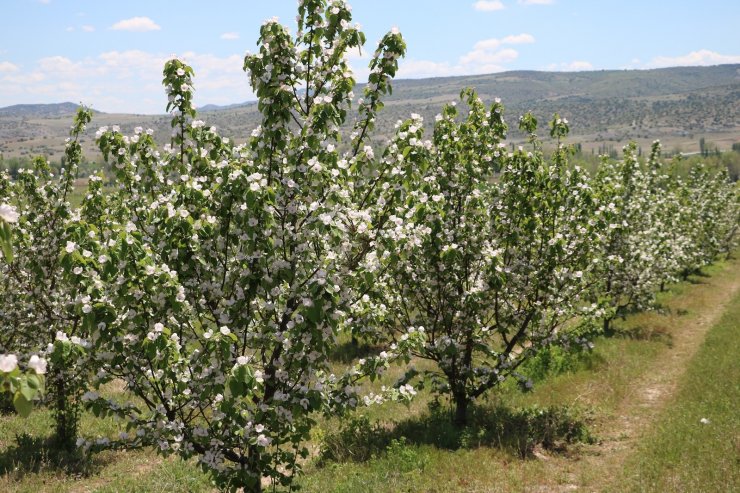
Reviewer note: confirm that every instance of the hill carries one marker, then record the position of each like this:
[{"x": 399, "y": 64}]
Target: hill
[
  {"x": 606, "y": 108},
  {"x": 39, "y": 110}
]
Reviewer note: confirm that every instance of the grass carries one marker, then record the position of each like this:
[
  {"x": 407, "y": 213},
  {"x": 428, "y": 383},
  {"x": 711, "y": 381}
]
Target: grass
[
  {"x": 78, "y": 193},
  {"x": 30, "y": 463},
  {"x": 507, "y": 448},
  {"x": 684, "y": 454},
  {"x": 517, "y": 431}
]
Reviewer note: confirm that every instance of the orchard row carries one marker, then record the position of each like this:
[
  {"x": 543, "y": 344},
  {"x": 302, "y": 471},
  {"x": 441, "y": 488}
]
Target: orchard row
[{"x": 216, "y": 279}]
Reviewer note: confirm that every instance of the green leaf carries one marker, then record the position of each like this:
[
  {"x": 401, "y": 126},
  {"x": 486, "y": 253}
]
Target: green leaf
[
  {"x": 243, "y": 374},
  {"x": 35, "y": 381},
  {"x": 314, "y": 312},
  {"x": 22, "y": 405},
  {"x": 26, "y": 390},
  {"x": 242, "y": 380},
  {"x": 6, "y": 242}
]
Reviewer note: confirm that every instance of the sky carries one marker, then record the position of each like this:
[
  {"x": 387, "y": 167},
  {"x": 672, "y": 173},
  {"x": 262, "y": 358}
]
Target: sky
[{"x": 109, "y": 55}]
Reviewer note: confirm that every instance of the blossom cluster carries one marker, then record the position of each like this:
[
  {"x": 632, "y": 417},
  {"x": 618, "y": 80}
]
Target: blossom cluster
[{"x": 24, "y": 386}]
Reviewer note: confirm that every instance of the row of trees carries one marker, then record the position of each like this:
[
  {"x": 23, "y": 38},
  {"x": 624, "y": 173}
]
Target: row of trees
[{"x": 216, "y": 279}]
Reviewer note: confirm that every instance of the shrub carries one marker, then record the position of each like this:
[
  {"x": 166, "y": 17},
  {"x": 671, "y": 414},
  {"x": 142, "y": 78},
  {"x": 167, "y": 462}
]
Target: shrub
[
  {"x": 44, "y": 308},
  {"x": 490, "y": 254},
  {"x": 230, "y": 268}
]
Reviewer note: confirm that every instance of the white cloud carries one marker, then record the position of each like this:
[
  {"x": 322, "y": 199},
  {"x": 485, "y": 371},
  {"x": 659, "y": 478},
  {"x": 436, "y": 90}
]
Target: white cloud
[
  {"x": 494, "y": 43},
  {"x": 483, "y": 57},
  {"x": 536, "y": 2},
  {"x": 425, "y": 68},
  {"x": 487, "y": 52},
  {"x": 122, "y": 81},
  {"x": 487, "y": 56},
  {"x": 88, "y": 29},
  {"x": 58, "y": 64},
  {"x": 488, "y": 5},
  {"x": 23, "y": 81},
  {"x": 130, "y": 63},
  {"x": 517, "y": 39},
  {"x": 8, "y": 67},
  {"x": 699, "y": 57},
  {"x": 230, "y": 36},
  {"x": 577, "y": 65},
  {"x": 137, "y": 24},
  {"x": 487, "y": 44},
  {"x": 70, "y": 29}
]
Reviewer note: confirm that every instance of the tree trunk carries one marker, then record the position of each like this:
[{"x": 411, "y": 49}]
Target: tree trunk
[
  {"x": 65, "y": 394},
  {"x": 252, "y": 487},
  {"x": 63, "y": 415},
  {"x": 254, "y": 465},
  {"x": 461, "y": 410}
]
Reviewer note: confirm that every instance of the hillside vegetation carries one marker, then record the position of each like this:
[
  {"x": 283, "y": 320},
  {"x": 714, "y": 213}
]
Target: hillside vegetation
[{"x": 605, "y": 108}]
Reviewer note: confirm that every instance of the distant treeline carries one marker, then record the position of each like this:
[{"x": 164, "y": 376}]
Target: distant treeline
[
  {"x": 709, "y": 155},
  {"x": 13, "y": 164}
]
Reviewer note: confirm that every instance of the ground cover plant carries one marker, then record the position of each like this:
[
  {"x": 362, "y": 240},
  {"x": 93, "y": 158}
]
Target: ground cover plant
[{"x": 19, "y": 386}]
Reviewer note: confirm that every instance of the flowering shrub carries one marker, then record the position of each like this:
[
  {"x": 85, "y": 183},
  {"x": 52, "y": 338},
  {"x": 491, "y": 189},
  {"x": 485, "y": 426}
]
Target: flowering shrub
[
  {"x": 659, "y": 226},
  {"x": 42, "y": 305},
  {"x": 728, "y": 222},
  {"x": 709, "y": 204},
  {"x": 489, "y": 255},
  {"x": 670, "y": 241},
  {"x": 630, "y": 272},
  {"x": 223, "y": 273},
  {"x": 8, "y": 215},
  {"x": 23, "y": 386}
]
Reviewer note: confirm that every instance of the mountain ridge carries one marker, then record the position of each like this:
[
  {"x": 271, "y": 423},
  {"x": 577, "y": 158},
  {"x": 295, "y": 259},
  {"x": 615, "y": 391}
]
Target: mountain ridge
[
  {"x": 41, "y": 109},
  {"x": 606, "y": 108},
  {"x": 630, "y": 79}
]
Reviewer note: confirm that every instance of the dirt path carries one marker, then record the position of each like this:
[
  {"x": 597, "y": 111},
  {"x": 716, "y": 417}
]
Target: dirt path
[{"x": 599, "y": 468}]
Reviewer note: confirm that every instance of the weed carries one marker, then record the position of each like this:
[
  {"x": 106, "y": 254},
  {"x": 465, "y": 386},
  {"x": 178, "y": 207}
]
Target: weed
[
  {"x": 357, "y": 440},
  {"x": 518, "y": 431}
]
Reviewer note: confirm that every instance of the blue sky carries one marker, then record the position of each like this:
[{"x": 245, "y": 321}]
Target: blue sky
[{"x": 109, "y": 54}]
